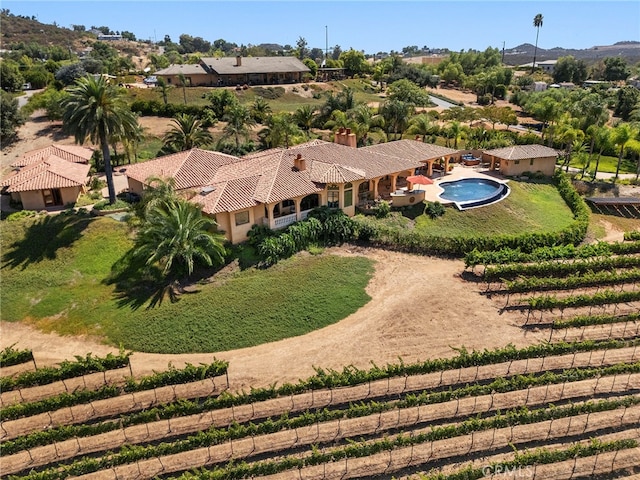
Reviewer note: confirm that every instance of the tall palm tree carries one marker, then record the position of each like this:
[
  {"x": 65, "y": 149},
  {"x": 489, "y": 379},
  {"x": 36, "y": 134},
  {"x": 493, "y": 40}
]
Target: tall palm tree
[
  {"x": 537, "y": 22},
  {"x": 97, "y": 111},
  {"x": 183, "y": 83},
  {"x": 187, "y": 133},
  {"x": 239, "y": 123},
  {"x": 602, "y": 138},
  {"x": 175, "y": 236},
  {"x": 622, "y": 134}
]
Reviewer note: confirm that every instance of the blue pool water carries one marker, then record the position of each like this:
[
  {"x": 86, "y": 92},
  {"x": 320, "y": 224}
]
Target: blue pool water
[{"x": 473, "y": 192}]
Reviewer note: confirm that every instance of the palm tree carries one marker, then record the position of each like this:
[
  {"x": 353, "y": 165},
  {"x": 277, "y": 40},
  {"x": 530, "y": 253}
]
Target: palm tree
[
  {"x": 365, "y": 120},
  {"x": 187, "y": 133},
  {"x": 97, "y": 111},
  {"x": 163, "y": 87},
  {"x": 175, "y": 236},
  {"x": 602, "y": 137},
  {"x": 622, "y": 134},
  {"x": 339, "y": 119},
  {"x": 396, "y": 115},
  {"x": 239, "y": 121},
  {"x": 304, "y": 117},
  {"x": 537, "y": 22},
  {"x": 183, "y": 83},
  {"x": 420, "y": 125},
  {"x": 279, "y": 131},
  {"x": 260, "y": 109}
]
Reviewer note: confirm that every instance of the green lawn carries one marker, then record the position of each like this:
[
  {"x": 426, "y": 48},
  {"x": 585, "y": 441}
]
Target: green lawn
[
  {"x": 530, "y": 207},
  {"x": 53, "y": 272},
  {"x": 289, "y": 102},
  {"x": 607, "y": 164}
]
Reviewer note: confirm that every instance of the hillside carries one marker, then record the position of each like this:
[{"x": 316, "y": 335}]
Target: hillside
[
  {"x": 15, "y": 29},
  {"x": 524, "y": 53}
]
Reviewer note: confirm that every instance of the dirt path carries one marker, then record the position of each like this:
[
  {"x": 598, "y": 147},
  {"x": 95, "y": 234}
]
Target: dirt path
[{"x": 420, "y": 308}]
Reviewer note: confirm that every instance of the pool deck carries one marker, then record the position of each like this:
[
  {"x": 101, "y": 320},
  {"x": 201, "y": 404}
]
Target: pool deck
[{"x": 432, "y": 192}]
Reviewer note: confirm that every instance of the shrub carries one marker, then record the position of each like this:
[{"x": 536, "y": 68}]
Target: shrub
[
  {"x": 104, "y": 205},
  {"x": 382, "y": 209},
  {"x": 15, "y": 216},
  {"x": 434, "y": 209}
]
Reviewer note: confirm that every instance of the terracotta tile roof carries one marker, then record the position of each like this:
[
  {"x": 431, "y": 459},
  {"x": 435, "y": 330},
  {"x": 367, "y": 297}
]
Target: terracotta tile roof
[
  {"x": 50, "y": 173},
  {"x": 522, "y": 152},
  {"x": 411, "y": 149},
  {"x": 193, "y": 168},
  {"x": 362, "y": 160},
  {"x": 228, "y": 196},
  {"x": 70, "y": 153},
  {"x": 229, "y": 65},
  {"x": 186, "y": 69},
  {"x": 270, "y": 176}
]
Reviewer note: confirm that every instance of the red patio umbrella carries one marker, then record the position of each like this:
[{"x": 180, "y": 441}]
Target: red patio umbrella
[{"x": 419, "y": 180}]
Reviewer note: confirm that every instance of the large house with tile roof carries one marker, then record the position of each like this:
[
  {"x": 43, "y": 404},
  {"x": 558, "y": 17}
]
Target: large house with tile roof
[
  {"x": 280, "y": 186},
  {"x": 232, "y": 71},
  {"x": 53, "y": 176}
]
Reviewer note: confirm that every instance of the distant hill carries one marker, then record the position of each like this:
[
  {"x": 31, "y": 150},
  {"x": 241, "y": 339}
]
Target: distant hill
[
  {"x": 17, "y": 28},
  {"x": 629, "y": 50}
]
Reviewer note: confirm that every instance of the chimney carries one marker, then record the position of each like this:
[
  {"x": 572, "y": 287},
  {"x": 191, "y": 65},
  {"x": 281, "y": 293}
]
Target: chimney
[
  {"x": 238, "y": 61},
  {"x": 299, "y": 163},
  {"x": 350, "y": 139},
  {"x": 417, "y": 137},
  {"x": 339, "y": 136}
]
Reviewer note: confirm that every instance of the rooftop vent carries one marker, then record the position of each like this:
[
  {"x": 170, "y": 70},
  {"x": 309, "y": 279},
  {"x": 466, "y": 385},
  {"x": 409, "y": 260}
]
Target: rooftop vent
[{"x": 207, "y": 190}]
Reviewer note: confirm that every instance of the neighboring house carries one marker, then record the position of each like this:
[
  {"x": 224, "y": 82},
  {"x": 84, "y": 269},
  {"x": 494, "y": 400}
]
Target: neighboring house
[
  {"x": 519, "y": 159},
  {"x": 231, "y": 71},
  {"x": 49, "y": 177},
  {"x": 547, "y": 66},
  {"x": 280, "y": 186}
]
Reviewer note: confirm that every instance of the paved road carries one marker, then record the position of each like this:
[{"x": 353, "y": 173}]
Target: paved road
[
  {"x": 22, "y": 100},
  {"x": 441, "y": 103}
]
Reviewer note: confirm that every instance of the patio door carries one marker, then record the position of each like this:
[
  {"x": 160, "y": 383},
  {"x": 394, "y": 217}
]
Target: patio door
[{"x": 52, "y": 197}]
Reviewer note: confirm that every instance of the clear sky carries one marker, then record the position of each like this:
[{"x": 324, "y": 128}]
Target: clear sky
[{"x": 372, "y": 26}]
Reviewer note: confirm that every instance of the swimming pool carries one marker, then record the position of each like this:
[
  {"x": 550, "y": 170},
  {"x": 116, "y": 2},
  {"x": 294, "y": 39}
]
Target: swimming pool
[{"x": 473, "y": 192}]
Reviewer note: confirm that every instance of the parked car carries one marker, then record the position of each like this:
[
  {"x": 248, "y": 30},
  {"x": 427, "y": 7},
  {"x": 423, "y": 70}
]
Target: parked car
[
  {"x": 26, "y": 86},
  {"x": 151, "y": 80}
]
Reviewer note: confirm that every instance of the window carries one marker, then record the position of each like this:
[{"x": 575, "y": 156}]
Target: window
[
  {"x": 516, "y": 162},
  {"x": 531, "y": 162},
  {"x": 348, "y": 194},
  {"x": 333, "y": 196},
  {"x": 242, "y": 218}
]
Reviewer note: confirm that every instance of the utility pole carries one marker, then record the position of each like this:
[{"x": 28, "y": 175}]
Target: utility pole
[
  {"x": 503, "y": 52},
  {"x": 326, "y": 44}
]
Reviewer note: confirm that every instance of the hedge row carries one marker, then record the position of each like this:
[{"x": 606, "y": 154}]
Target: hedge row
[
  {"x": 66, "y": 369},
  {"x": 11, "y": 356},
  {"x": 159, "y": 109}
]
